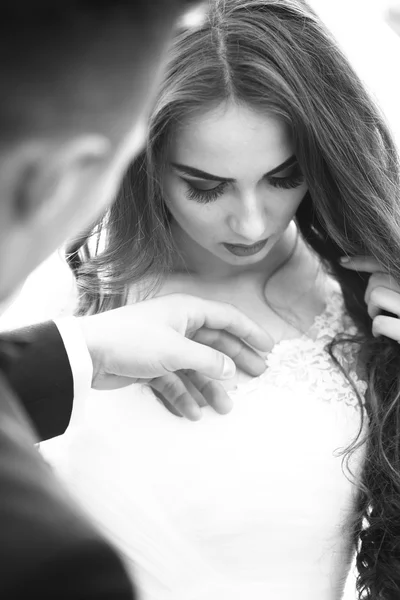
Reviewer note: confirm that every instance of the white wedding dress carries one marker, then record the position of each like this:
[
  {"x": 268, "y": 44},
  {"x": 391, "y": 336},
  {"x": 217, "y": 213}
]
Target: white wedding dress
[{"x": 253, "y": 505}]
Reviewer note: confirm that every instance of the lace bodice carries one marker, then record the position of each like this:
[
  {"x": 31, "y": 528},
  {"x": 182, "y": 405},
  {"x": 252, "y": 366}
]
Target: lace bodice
[
  {"x": 254, "y": 504},
  {"x": 304, "y": 361}
]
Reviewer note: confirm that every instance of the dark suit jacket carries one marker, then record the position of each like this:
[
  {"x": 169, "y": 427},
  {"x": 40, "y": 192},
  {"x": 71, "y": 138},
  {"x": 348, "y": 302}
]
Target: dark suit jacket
[
  {"x": 48, "y": 550},
  {"x": 40, "y": 375}
]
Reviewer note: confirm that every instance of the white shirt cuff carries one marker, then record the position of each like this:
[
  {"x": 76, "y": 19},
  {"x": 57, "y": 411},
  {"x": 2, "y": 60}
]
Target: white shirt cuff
[{"x": 78, "y": 356}]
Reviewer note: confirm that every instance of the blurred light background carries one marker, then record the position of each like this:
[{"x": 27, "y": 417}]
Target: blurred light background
[{"x": 362, "y": 29}]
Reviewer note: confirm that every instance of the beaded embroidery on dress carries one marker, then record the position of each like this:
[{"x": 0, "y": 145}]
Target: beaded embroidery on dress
[{"x": 253, "y": 504}]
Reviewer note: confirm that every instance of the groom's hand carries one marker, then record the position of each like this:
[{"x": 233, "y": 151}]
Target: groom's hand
[
  {"x": 178, "y": 332},
  {"x": 186, "y": 391}
]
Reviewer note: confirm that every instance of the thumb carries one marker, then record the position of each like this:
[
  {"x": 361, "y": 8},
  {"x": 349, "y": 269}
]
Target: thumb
[{"x": 193, "y": 355}]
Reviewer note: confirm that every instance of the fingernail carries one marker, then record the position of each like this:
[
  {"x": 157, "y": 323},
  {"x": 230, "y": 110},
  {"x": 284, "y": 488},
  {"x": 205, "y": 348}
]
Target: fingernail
[
  {"x": 229, "y": 368},
  {"x": 344, "y": 259}
]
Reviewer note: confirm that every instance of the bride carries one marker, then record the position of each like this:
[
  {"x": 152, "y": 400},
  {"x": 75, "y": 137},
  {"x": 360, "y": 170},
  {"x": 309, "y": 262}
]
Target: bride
[{"x": 266, "y": 161}]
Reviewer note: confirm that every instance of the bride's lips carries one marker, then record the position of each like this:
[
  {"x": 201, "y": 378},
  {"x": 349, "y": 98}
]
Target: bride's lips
[{"x": 244, "y": 250}]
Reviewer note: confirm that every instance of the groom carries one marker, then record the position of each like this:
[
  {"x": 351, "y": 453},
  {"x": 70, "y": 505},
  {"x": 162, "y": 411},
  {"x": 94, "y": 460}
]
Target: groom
[{"x": 76, "y": 76}]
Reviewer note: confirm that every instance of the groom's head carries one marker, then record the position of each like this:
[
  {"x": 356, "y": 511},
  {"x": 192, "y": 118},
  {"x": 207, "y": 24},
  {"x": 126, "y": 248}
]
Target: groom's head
[{"x": 75, "y": 82}]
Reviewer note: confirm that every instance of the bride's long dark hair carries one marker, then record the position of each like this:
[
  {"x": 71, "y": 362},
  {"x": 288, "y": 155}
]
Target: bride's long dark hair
[{"x": 276, "y": 55}]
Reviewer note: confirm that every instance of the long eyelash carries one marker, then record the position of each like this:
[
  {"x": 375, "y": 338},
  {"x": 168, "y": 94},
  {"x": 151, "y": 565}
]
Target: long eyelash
[
  {"x": 287, "y": 182},
  {"x": 205, "y": 196}
]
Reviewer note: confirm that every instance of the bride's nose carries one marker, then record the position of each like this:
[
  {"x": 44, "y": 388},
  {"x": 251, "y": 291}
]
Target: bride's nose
[{"x": 248, "y": 220}]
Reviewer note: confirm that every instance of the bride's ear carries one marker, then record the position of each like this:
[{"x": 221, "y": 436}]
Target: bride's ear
[{"x": 45, "y": 176}]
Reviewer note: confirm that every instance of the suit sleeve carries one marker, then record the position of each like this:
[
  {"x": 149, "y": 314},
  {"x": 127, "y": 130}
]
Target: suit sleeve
[
  {"x": 48, "y": 549},
  {"x": 41, "y": 376}
]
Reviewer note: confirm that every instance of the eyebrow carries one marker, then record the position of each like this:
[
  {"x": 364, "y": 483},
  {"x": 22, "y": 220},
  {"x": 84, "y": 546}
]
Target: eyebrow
[{"x": 203, "y": 175}]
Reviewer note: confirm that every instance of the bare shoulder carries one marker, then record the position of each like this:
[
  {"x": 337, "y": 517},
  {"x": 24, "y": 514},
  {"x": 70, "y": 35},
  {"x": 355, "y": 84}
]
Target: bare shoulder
[
  {"x": 179, "y": 283},
  {"x": 174, "y": 283}
]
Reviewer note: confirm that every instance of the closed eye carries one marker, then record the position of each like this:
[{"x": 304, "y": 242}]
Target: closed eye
[
  {"x": 205, "y": 194},
  {"x": 291, "y": 182},
  {"x": 208, "y": 191}
]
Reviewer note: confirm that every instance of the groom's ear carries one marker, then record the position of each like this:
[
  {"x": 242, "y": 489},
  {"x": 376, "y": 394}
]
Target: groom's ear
[
  {"x": 44, "y": 177},
  {"x": 46, "y": 193}
]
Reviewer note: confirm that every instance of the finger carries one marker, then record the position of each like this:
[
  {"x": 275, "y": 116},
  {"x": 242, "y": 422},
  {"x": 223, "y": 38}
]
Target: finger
[
  {"x": 367, "y": 264},
  {"x": 166, "y": 403},
  {"x": 187, "y": 354},
  {"x": 244, "y": 357},
  {"x": 212, "y": 391},
  {"x": 191, "y": 388},
  {"x": 380, "y": 280},
  {"x": 383, "y": 299},
  {"x": 172, "y": 389},
  {"x": 387, "y": 326},
  {"x": 221, "y": 315}
]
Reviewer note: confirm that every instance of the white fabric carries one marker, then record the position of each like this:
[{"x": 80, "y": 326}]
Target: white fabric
[
  {"x": 78, "y": 356},
  {"x": 250, "y": 505}
]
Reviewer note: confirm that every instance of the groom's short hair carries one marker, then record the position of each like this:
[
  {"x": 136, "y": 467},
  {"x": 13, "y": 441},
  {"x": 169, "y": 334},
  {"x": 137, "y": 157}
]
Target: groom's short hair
[{"x": 68, "y": 64}]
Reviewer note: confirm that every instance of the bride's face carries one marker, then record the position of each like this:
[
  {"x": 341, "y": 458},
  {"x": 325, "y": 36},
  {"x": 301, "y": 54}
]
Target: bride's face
[{"x": 232, "y": 184}]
